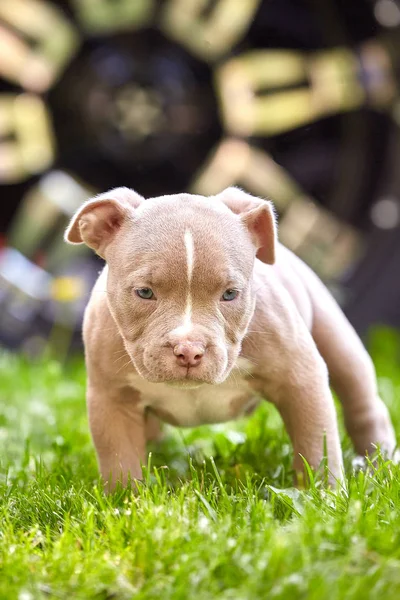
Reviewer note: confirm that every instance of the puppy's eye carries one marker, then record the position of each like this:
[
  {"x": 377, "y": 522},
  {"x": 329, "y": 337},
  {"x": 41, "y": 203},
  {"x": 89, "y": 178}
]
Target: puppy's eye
[
  {"x": 229, "y": 295},
  {"x": 145, "y": 293}
]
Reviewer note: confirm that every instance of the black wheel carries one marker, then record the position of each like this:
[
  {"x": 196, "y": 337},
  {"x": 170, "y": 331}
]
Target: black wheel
[{"x": 294, "y": 100}]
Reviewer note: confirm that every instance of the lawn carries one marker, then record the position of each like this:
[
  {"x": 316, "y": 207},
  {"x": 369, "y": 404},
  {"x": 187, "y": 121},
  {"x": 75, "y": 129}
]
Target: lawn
[{"x": 215, "y": 518}]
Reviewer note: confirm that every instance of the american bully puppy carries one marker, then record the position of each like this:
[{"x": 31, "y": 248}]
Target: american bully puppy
[{"x": 198, "y": 314}]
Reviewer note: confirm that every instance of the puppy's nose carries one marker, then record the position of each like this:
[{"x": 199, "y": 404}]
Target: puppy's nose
[{"x": 189, "y": 354}]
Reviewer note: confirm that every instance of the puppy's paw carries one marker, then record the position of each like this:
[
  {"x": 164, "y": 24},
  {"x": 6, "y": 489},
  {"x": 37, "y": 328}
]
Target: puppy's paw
[{"x": 359, "y": 463}]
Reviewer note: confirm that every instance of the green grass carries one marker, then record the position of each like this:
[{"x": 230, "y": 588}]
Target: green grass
[{"x": 228, "y": 527}]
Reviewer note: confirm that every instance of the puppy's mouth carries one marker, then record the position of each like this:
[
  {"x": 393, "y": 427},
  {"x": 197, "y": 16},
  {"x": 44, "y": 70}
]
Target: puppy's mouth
[
  {"x": 190, "y": 382},
  {"x": 185, "y": 380}
]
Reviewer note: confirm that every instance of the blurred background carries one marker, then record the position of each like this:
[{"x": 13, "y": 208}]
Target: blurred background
[{"x": 295, "y": 100}]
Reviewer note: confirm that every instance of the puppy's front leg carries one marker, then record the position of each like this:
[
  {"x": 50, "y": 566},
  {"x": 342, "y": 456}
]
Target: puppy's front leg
[
  {"x": 117, "y": 425},
  {"x": 305, "y": 403}
]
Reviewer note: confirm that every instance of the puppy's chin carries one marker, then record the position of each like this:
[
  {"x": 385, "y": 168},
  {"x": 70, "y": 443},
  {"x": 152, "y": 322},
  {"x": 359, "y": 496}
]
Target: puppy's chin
[
  {"x": 185, "y": 384},
  {"x": 193, "y": 384}
]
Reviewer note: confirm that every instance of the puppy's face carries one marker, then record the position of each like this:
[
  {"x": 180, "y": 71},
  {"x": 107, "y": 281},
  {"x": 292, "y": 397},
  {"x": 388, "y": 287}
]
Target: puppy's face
[
  {"x": 179, "y": 277},
  {"x": 179, "y": 287}
]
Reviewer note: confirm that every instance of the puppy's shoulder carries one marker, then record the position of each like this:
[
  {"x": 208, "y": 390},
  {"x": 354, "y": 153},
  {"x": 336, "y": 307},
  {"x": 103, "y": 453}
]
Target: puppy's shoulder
[{"x": 281, "y": 287}]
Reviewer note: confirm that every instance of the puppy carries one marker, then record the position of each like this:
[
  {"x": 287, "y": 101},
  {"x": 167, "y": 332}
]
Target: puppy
[{"x": 198, "y": 315}]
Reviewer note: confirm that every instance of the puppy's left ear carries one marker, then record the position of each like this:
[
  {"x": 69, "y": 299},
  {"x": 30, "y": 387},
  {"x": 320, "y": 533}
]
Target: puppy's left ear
[{"x": 258, "y": 217}]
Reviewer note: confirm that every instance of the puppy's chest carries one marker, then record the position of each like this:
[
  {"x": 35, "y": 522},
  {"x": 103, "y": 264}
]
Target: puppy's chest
[{"x": 204, "y": 405}]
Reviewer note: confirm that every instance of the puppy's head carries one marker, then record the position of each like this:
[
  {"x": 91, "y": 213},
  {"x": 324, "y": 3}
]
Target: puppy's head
[{"x": 179, "y": 276}]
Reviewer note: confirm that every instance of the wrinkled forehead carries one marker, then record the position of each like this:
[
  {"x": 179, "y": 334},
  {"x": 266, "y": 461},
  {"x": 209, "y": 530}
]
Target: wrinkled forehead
[{"x": 188, "y": 235}]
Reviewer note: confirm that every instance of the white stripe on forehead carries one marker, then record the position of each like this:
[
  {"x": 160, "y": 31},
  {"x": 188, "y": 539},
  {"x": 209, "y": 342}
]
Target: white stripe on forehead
[
  {"x": 188, "y": 237},
  {"x": 187, "y": 317}
]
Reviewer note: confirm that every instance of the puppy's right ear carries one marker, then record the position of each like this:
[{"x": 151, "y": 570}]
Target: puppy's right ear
[{"x": 99, "y": 219}]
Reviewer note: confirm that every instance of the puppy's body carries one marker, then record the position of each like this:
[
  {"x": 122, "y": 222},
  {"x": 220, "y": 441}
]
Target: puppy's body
[{"x": 274, "y": 341}]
